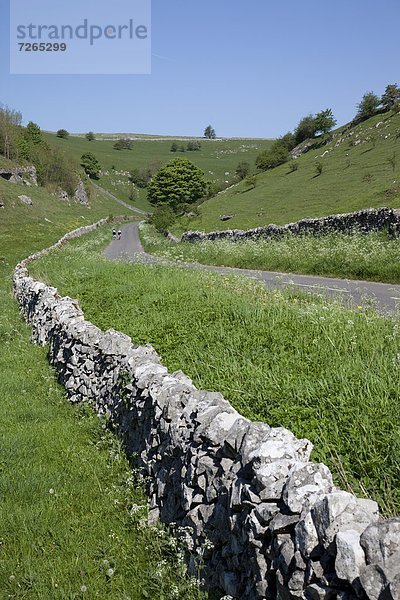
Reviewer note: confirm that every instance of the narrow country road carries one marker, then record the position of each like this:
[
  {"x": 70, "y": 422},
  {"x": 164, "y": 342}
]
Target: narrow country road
[{"x": 385, "y": 296}]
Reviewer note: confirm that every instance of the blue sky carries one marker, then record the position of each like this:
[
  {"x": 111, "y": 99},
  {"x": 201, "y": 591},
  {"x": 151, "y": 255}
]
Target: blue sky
[{"x": 250, "y": 69}]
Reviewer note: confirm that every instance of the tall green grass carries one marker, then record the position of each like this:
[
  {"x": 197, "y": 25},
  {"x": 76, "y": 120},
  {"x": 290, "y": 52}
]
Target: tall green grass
[
  {"x": 374, "y": 257},
  {"x": 325, "y": 372},
  {"x": 73, "y": 518}
]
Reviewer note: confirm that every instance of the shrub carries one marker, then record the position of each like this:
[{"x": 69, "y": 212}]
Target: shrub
[
  {"x": 273, "y": 157},
  {"x": 319, "y": 167},
  {"x": 162, "y": 218},
  {"x": 243, "y": 169},
  {"x": 63, "y": 134},
  {"x": 368, "y": 105},
  {"x": 193, "y": 146},
  {"x": 123, "y": 144},
  {"x": 251, "y": 182},
  {"x": 140, "y": 177}
]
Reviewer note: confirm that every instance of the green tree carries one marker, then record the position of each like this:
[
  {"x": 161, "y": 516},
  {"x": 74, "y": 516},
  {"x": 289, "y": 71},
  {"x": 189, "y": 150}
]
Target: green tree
[
  {"x": 368, "y": 105},
  {"x": 306, "y": 129},
  {"x": 288, "y": 140},
  {"x": 243, "y": 169},
  {"x": 209, "y": 132},
  {"x": 33, "y": 133},
  {"x": 324, "y": 121},
  {"x": 91, "y": 165},
  {"x": 390, "y": 96},
  {"x": 179, "y": 182},
  {"x": 62, "y": 133},
  {"x": 10, "y": 131},
  {"x": 90, "y": 136},
  {"x": 174, "y": 147}
]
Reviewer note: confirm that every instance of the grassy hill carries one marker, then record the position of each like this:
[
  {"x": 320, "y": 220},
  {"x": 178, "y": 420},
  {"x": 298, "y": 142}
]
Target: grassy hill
[
  {"x": 24, "y": 228},
  {"x": 357, "y": 173},
  {"x": 217, "y": 158}
]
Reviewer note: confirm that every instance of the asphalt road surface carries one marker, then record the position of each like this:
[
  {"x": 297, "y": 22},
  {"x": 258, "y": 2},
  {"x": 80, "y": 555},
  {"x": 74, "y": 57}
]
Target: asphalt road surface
[{"x": 384, "y": 296}]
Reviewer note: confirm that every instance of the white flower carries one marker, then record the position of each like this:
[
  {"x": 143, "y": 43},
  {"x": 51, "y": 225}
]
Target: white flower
[
  {"x": 51, "y": 491},
  {"x": 110, "y": 572},
  {"x": 83, "y": 588}
]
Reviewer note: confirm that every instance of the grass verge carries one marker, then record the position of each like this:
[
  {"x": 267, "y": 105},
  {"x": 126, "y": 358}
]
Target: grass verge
[
  {"x": 325, "y": 372},
  {"x": 374, "y": 257},
  {"x": 73, "y": 519}
]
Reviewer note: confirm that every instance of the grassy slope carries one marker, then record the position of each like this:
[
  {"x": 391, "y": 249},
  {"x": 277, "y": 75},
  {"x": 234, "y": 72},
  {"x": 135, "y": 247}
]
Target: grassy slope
[
  {"x": 66, "y": 488},
  {"x": 217, "y": 157},
  {"x": 282, "y": 197},
  {"x": 324, "y": 372}
]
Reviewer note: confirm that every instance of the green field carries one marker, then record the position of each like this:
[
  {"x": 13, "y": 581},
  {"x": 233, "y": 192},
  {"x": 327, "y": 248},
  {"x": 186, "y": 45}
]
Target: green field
[
  {"x": 218, "y": 159},
  {"x": 353, "y": 177},
  {"x": 327, "y": 373},
  {"x": 73, "y": 517},
  {"x": 374, "y": 257}
]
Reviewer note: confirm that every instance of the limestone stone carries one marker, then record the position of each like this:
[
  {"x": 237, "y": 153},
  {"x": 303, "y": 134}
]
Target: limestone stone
[
  {"x": 350, "y": 558},
  {"x": 305, "y": 484},
  {"x": 25, "y": 199}
]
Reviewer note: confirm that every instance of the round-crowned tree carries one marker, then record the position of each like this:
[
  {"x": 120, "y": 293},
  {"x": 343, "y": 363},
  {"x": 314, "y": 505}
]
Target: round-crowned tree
[{"x": 179, "y": 182}]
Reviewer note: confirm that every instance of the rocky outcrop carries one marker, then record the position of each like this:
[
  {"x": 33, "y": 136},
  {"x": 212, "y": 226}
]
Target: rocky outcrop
[
  {"x": 268, "y": 522},
  {"x": 80, "y": 194},
  {"x": 62, "y": 195},
  {"x": 302, "y": 148},
  {"x": 365, "y": 221},
  {"x": 20, "y": 175}
]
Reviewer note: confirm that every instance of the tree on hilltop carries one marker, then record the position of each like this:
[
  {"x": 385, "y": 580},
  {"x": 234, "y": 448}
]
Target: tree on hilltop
[
  {"x": 391, "y": 96},
  {"x": 368, "y": 105},
  {"x": 324, "y": 121},
  {"x": 90, "y": 136},
  {"x": 306, "y": 129},
  {"x": 209, "y": 133},
  {"x": 33, "y": 133}
]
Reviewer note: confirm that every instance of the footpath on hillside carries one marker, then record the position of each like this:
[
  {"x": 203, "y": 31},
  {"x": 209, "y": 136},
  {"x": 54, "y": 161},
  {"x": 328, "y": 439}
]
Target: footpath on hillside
[{"x": 355, "y": 294}]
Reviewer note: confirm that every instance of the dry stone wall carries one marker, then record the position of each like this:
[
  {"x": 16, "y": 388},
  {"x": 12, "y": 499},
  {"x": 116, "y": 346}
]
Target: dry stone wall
[
  {"x": 268, "y": 522},
  {"x": 371, "y": 219}
]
